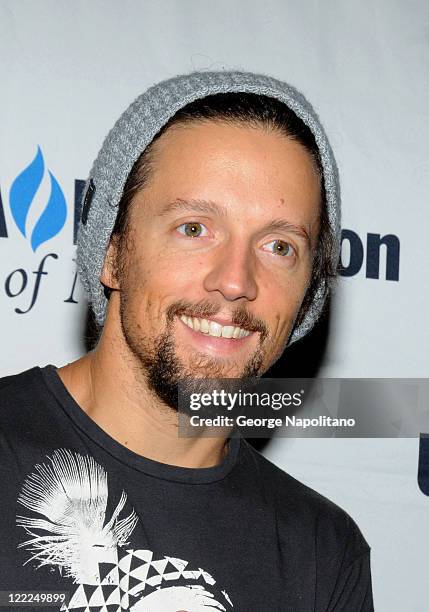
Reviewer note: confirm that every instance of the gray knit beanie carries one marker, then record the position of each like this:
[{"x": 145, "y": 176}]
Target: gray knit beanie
[{"x": 135, "y": 130}]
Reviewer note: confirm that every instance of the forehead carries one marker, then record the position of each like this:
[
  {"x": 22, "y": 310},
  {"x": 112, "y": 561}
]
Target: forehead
[{"x": 232, "y": 163}]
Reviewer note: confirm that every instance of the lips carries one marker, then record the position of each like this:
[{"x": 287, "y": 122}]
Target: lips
[
  {"x": 219, "y": 346},
  {"x": 213, "y": 328}
]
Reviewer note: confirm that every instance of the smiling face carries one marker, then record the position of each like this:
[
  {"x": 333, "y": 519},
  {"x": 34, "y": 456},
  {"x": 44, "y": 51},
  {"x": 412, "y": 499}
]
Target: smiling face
[{"x": 218, "y": 255}]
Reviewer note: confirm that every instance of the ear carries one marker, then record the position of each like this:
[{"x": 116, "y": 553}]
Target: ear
[{"x": 108, "y": 274}]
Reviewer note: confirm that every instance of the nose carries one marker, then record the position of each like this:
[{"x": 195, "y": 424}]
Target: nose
[{"x": 232, "y": 273}]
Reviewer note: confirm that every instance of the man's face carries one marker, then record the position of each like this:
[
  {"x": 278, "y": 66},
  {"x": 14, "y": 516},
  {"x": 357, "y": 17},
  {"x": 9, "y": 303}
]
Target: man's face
[{"x": 219, "y": 253}]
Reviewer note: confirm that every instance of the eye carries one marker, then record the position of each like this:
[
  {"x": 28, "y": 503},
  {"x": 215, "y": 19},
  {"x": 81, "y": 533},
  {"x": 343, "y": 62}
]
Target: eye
[
  {"x": 192, "y": 229},
  {"x": 280, "y": 247}
]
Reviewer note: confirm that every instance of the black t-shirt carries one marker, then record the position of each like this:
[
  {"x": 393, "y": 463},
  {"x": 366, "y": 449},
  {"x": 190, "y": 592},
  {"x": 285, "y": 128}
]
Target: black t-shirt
[{"x": 81, "y": 514}]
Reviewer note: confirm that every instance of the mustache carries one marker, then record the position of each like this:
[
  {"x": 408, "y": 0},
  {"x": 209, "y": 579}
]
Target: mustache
[{"x": 204, "y": 309}]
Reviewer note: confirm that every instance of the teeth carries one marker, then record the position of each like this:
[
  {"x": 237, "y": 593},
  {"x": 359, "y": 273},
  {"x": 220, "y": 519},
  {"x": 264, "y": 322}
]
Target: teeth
[
  {"x": 215, "y": 329},
  {"x": 204, "y": 326},
  {"x": 212, "y": 328},
  {"x": 227, "y": 331}
]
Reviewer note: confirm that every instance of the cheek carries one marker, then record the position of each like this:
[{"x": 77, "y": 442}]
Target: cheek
[
  {"x": 281, "y": 319},
  {"x": 282, "y": 303},
  {"x": 151, "y": 289}
]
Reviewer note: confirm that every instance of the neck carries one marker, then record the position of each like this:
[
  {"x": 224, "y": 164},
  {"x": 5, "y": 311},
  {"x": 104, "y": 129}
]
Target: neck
[{"x": 109, "y": 385}]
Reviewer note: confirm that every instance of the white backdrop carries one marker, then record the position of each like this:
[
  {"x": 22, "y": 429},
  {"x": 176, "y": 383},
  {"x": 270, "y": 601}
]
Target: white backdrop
[{"x": 69, "y": 69}]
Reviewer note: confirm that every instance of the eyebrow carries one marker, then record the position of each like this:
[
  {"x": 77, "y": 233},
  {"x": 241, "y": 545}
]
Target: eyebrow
[{"x": 208, "y": 206}]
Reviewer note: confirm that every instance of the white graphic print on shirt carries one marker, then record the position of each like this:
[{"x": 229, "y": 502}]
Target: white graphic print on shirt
[{"x": 71, "y": 532}]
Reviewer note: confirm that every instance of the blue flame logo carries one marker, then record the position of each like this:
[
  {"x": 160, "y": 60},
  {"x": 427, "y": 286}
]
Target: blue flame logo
[{"x": 22, "y": 193}]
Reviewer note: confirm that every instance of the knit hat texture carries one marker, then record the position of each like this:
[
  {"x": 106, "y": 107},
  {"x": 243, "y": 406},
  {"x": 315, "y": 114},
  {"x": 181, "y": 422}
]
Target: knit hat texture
[{"x": 135, "y": 130}]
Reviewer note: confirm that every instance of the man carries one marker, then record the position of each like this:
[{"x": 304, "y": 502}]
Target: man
[{"x": 208, "y": 242}]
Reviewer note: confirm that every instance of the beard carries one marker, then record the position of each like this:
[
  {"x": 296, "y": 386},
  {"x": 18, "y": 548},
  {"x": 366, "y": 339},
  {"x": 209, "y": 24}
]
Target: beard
[{"x": 162, "y": 367}]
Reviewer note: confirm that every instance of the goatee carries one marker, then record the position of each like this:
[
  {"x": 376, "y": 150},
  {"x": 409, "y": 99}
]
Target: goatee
[{"x": 163, "y": 369}]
